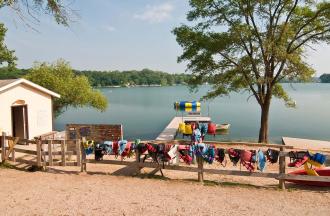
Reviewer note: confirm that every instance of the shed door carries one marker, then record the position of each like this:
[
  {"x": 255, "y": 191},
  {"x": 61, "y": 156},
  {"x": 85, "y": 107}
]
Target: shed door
[{"x": 20, "y": 121}]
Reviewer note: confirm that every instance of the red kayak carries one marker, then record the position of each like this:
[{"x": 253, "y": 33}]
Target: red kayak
[{"x": 321, "y": 171}]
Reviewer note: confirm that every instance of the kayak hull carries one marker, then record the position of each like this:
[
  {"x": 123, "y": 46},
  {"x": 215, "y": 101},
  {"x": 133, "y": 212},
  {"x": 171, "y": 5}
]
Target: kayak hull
[{"x": 320, "y": 171}]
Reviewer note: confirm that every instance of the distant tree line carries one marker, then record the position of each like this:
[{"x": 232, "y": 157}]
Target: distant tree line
[
  {"x": 114, "y": 78},
  {"x": 325, "y": 78}
]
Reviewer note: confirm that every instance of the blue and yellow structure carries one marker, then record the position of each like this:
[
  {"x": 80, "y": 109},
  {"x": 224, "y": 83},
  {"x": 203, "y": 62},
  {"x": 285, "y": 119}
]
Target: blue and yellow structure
[{"x": 187, "y": 104}]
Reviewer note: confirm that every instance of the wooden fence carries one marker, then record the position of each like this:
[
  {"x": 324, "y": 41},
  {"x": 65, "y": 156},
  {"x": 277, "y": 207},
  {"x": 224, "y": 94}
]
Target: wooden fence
[
  {"x": 70, "y": 153},
  {"x": 281, "y": 175},
  {"x": 41, "y": 153}
]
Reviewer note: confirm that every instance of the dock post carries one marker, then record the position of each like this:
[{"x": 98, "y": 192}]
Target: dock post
[{"x": 282, "y": 168}]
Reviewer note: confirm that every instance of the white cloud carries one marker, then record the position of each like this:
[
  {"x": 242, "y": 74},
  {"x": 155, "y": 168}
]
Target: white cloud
[
  {"x": 109, "y": 28},
  {"x": 156, "y": 13}
]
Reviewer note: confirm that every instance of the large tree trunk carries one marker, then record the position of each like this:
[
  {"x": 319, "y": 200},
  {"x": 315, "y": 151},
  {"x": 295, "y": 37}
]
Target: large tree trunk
[{"x": 263, "y": 133}]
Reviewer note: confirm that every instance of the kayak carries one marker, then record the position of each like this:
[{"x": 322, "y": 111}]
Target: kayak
[
  {"x": 320, "y": 171},
  {"x": 223, "y": 126}
]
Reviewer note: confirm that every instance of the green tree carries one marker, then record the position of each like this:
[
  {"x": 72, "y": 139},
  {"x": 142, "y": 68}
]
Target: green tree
[
  {"x": 325, "y": 78},
  {"x": 7, "y": 57},
  {"x": 252, "y": 45},
  {"x": 59, "y": 9},
  {"x": 75, "y": 90}
]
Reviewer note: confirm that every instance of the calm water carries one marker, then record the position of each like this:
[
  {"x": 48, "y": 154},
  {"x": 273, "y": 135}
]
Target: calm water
[{"x": 145, "y": 112}]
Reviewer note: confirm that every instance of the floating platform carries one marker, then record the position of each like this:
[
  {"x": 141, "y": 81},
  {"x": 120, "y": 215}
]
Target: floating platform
[{"x": 170, "y": 132}]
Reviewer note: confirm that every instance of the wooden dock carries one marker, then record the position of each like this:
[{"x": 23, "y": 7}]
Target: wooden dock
[
  {"x": 170, "y": 132},
  {"x": 307, "y": 144}
]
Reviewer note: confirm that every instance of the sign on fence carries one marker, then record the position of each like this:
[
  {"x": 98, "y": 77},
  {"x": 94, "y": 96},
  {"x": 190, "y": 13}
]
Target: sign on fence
[{"x": 97, "y": 132}]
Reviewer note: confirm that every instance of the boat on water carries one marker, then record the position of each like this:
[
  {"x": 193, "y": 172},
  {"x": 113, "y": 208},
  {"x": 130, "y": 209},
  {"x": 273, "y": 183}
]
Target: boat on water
[
  {"x": 224, "y": 126},
  {"x": 320, "y": 171}
]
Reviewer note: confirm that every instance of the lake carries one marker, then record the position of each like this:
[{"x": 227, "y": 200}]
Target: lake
[{"x": 145, "y": 112}]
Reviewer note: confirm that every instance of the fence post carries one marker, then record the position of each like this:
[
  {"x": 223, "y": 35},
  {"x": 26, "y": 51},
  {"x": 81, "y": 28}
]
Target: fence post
[
  {"x": 78, "y": 150},
  {"x": 3, "y": 147},
  {"x": 50, "y": 153},
  {"x": 38, "y": 142},
  {"x": 63, "y": 151},
  {"x": 83, "y": 164},
  {"x": 282, "y": 168},
  {"x": 137, "y": 161},
  {"x": 200, "y": 169}
]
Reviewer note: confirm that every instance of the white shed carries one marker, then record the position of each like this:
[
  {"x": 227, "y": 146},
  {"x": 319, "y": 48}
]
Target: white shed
[{"x": 26, "y": 109}]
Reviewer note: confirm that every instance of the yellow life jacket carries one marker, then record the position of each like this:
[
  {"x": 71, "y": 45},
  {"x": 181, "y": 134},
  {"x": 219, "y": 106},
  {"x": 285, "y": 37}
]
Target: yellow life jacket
[
  {"x": 188, "y": 129},
  {"x": 182, "y": 128},
  {"x": 310, "y": 171}
]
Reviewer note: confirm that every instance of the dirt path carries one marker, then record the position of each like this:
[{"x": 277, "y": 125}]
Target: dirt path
[{"x": 71, "y": 193}]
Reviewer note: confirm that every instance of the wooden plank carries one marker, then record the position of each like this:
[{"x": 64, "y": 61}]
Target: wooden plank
[
  {"x": 63, "y": 149},
  {"x": 26, "y": 151},
  {"x": 304, "y": 178},
  {"x": 3, "y": 148},
  {"x": 50, "y": 151},
  {"x": 200, "y": 169},
  {"x": 78, "y": 152},
  {"x": 241, "y": 173},
  {"x": 282, "y": 165},
  {"x": 38, "y": 153}
]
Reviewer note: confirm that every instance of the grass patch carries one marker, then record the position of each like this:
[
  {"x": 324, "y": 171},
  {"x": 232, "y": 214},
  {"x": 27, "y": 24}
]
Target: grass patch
[{"x": 6, "y": 165}]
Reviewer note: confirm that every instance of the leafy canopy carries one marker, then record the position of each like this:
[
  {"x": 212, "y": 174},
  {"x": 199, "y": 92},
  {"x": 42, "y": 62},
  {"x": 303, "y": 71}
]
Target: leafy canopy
[
  {"x": 252, "y": 44},
  {"x": 27, "y": 9},
  {"x": 7, "y": 57},
  {"x": 75, "y": 90}
]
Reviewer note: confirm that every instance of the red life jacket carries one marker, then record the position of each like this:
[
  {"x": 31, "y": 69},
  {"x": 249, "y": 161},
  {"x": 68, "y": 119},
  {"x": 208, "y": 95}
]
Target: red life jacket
[
  {"x": 115, "y": 148},
  {"x": 211, "y": 128},
  {"x": 127, "y": 150}
]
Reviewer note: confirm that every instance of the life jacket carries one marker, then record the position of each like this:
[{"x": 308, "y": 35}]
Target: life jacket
[
  {"x": 261, "y": 160},
  {"x": 272, "y": 155},
  {"x": 310, "y": 171},
  {"x": 141, "y": 148},
  {"x": 171, "y": 151},
  {"x": 196, "y": 136},
  {"x": 182, "y": 128},
  {"x": 203, "y": 129},
  {"x": 127, "y": 150},
  {"x": 211, "y": 128},
  {"x": 317, "y": 159},
  {"x": 298, "y": 158},
  {"x": 115, "y": 148},
  {"x": 89, "y": 147},
  {"x": 247, "y": 159},
  {"x": 122, "y": 145},
  {"x": 200, "y": 149},
  {"x": 188, "y": 129},
  {"x": 185, "y": 156},
  {"x": 221, "y": 156},
  {"x": 107, "y": 145},
  {"x": 234, "y": 155},
  {"x": 99, "y": 152},
  {"x": 210, "y": 155}
]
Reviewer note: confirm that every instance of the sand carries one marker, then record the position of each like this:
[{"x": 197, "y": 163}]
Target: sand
[{"x": 104, "y": 191}]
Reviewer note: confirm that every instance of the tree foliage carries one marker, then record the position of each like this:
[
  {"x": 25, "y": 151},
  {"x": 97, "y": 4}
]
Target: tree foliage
[
  {"x": 252, "y": 45},
  {"x": 325, "y": 78},
  {"x": 75, "y": 90},
  {"x": 143, "y": 77},
  {"x": 27, "y": 9},
  {"x": 7, "y": 57}
]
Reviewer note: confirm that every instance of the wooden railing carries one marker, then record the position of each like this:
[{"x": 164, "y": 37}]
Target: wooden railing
[
  {"x": 42, "y": 153},
  {"x": 281, "y": 175}
]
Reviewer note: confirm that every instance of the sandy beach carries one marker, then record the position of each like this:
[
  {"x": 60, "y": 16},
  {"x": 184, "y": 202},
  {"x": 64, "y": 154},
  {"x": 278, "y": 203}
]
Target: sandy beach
[{"x": 104, "y": 191}]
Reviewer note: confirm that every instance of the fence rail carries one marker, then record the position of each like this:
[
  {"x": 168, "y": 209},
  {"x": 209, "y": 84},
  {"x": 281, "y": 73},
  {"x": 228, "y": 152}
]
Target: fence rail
[{"x": 59, "y": 153}]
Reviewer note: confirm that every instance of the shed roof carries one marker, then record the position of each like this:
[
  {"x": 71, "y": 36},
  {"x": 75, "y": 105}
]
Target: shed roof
[{"x": 6, "y": 84}]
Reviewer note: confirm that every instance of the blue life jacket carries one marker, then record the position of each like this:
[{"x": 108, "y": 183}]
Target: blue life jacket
[
  {"x": 319, "y": 158},
  {"x": 261, "y": 161}
]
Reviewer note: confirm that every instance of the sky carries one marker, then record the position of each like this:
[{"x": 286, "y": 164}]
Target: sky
[{"x": 113, "y": 35}]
